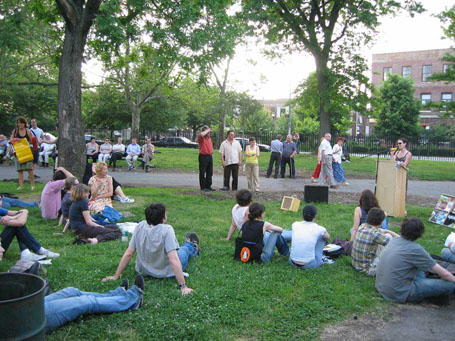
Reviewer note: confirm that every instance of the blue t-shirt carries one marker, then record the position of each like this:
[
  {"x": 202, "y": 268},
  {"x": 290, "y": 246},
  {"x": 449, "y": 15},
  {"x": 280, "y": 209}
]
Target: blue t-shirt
[{"x": 77, "y": 220}]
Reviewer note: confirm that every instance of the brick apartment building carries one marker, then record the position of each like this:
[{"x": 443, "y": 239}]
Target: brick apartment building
[{"x": 418, "y": 66}]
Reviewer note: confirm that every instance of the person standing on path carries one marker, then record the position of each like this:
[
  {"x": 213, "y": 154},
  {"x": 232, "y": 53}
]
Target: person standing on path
[
  {"x": 296, "y": 137},
  {"x": 38, "y": 133},
  {"x": 326, "y": 162},
  {"x": 289, "y": 152},
  {"x": 338, "y": 171},
  {"x": 275, "y": 156},
  {"x": 252, "y": 165},
  {"x": 231, "y": 158},
  {"x": 205, "y": 159}
]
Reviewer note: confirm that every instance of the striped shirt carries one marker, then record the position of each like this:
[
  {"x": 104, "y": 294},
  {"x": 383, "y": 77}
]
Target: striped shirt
[{"x": 365, "y": 245}]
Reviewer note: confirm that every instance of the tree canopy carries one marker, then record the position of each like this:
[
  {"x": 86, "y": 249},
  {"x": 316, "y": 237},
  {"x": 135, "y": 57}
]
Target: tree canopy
[{"x": 323, "y": 28}]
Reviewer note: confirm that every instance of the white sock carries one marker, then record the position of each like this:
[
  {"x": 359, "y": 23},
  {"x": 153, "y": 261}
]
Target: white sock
[{"x": 42, "y": 251}]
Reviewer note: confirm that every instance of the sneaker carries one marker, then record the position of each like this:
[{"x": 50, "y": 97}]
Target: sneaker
[
  {"x": 118, "y": 198},
  {"x": 139, "y": 282},
  {"x": 126, "y": 200},
  {"x": 192, "y": 237},
  {"x": 326, "y": 260},
  {"x": 345, "y": 183},
  {"x": 32, "y": 256},
  {"x": 205, "y": 190},
  {"x": 50, "y": 254},
  {"x": 224, "y": 188},
  {"x": 125, "y": 284}
]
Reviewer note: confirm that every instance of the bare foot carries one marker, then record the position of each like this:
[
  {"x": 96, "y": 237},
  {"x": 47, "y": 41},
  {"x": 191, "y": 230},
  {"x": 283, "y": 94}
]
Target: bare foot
[{"x": 93, "y": 241}]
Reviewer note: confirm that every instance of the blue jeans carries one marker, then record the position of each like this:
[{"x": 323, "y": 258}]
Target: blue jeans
[
  {"x": 423, "y": 287},
  {"x": 448, "y": 255},
  {"x": 286, "y": 234},
  {"x": 185, "y": 252},
  {"x": 274, "y": 239},
  {"x": 24, "y": 238},
  {"x": 317, "y": 262},
  {"x": 7, "y": 203},
  {"x": 68, "y": 304}
]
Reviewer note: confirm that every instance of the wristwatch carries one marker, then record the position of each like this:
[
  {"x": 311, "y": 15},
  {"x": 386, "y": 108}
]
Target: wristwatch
[{"x": 182, "y": 285}]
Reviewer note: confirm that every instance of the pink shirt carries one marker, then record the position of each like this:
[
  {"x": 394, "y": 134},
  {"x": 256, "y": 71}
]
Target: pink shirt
[{"x": 51, "y": 199}]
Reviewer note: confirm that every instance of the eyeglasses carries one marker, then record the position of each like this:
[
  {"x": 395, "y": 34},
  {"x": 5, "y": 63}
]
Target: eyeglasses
[{"x": 399, "y": 142}]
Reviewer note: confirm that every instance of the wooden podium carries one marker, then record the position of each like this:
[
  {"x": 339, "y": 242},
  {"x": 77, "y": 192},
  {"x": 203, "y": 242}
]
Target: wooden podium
[{"x": 391, "y": 187}]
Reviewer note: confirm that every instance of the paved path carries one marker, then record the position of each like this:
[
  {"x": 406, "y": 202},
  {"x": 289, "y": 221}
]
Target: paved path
[{"x": 161, "y": 178}]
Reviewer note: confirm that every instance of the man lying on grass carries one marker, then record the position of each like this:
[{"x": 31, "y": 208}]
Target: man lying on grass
[{"x": 158, "y": 252}]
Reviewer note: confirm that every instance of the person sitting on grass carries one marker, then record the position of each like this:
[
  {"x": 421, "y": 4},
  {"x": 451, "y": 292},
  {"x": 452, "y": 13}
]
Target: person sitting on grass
[
  {"x": 51, "y": 198},
  {"x": 7, "y": 203},
  {"x": 366, "y": 202},
  {"x": 158, "y": 252},
  {"x": 14, "y": 222},
  {"x": 82, "y": 223},
  {"x": 253, "y": 231},
  {"x": 239, "y": 211},
  {"x": 369, "y": 242},
  {"x": 400, "y": 273},
  {"x": 448, "y": 253},
  {"x": 70, "y": 184},
  {"x": 308, "y": 241}
]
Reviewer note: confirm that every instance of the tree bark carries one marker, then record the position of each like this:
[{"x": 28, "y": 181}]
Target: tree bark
[
  {"x": 71, "y": 144},
  {"x": 135, "y": 120},
  {"x": 322, "y": 73}
]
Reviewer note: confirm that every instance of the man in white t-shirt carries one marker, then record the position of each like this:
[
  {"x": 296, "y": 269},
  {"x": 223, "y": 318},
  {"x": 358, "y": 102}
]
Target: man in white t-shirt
[
  {"x": 231, "y": 158},
  {"x": 326, "y": 162},
  {"x": 117, "y": 152},
  {"x": 158, "y": 251},
  {"x": 38, "y": 133},
  {"x": 308, "y": 240}
]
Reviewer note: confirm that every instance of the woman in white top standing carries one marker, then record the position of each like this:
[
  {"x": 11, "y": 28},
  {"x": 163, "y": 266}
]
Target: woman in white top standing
[
  {"x": 338, "y": 172},
  {"x": 252, "y": 165}
]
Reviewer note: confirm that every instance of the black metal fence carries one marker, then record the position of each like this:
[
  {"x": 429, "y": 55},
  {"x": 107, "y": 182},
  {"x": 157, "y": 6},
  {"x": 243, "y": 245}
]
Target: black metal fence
[{"x": 421, "y": 148}]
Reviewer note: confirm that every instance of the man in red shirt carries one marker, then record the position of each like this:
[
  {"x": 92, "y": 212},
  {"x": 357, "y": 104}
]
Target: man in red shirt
[{"x": 205, "y": 159}]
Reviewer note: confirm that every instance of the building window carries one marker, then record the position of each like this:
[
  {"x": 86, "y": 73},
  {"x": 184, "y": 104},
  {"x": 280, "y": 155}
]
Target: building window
[
  {"x": 406, "y": 73},
  {"x": 387, "y": 72},
  {"x": 427, "y": 70},
  {"x": 425, "y": 98},
  {"x": 445, "y": 68},
  {"x": 446, "y": 97}
]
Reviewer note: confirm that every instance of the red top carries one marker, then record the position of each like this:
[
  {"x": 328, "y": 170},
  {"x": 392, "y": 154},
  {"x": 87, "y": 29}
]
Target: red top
[{"x": 205, "y": 145}]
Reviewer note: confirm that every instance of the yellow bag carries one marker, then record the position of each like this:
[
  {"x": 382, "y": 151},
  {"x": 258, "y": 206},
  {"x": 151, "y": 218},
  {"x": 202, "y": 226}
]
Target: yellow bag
[{"x": 23, "y": 151}]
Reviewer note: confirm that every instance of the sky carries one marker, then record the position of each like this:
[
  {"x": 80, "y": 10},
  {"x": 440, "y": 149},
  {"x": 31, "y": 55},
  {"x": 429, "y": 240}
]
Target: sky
[
  {"x": 277, "y": 79},
  {"x": 263, "y": 78}
]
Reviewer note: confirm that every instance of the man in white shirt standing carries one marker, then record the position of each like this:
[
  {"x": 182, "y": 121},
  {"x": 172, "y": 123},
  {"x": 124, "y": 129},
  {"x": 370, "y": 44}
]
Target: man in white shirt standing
[
  {"x": 326, "y": 162},
  {"x": 117, "y": 152},
  {"x": 231, "y": 158},
  {"x": 38, "y": 133},
  {"x": 47, "y": 149}
]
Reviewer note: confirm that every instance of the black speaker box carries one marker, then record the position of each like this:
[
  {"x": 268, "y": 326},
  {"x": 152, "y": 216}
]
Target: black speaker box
[{"x": 316, "y": 193}]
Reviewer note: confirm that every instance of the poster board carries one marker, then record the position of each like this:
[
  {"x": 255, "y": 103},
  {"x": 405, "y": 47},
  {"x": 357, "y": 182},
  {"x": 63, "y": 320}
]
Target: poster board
[
  {"x": 391, "y": 187},
  {"x": 444, "y": 211}
]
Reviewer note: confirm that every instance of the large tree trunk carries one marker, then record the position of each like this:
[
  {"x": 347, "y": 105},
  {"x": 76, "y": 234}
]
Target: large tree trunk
[
  {"x": 322, "y": 73},
  {"x": 135, "y": 120},
  {"x": 78, "y": 20},
  {"x": 71, "y": 145}
]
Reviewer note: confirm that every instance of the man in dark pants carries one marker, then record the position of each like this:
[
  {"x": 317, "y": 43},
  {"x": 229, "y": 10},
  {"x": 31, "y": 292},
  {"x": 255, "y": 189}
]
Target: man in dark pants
[
  {"x": 275, "y": 156},
  {"x": 289, "y": 151},
  {"x": 231, "y": 158},
  {"x": 205, "y": 159}
]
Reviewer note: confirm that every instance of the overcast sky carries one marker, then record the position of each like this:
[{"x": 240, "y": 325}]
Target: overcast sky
[{"x": 276, "y": 79}]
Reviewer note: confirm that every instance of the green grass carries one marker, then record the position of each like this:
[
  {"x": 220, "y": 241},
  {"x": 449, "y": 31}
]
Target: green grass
[
  {"x": 187, "y": 160},
  {"x": 231, "y": 300}
]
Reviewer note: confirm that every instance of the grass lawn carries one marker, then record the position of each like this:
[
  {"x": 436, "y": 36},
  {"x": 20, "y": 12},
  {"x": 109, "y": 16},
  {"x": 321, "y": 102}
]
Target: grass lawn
[
  {"x": 187, "y": 160},
  {"x": 231, "y": 300}
]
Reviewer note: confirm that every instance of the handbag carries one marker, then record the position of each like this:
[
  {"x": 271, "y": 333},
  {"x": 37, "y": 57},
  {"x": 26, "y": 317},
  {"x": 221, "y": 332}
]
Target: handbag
[
  {"x": 23, "y": 151},
  {"x": 111, "y": 214},
  {"x": 246, "y": 252}
]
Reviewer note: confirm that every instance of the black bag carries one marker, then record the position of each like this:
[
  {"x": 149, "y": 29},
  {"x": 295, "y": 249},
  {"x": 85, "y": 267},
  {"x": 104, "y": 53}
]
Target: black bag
[
  {"x": 347, "y": 245},
  {"x": 333, "y": 254},
  {"x": 34, "y": 268},
  {"x": 247, "y": 252}
]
